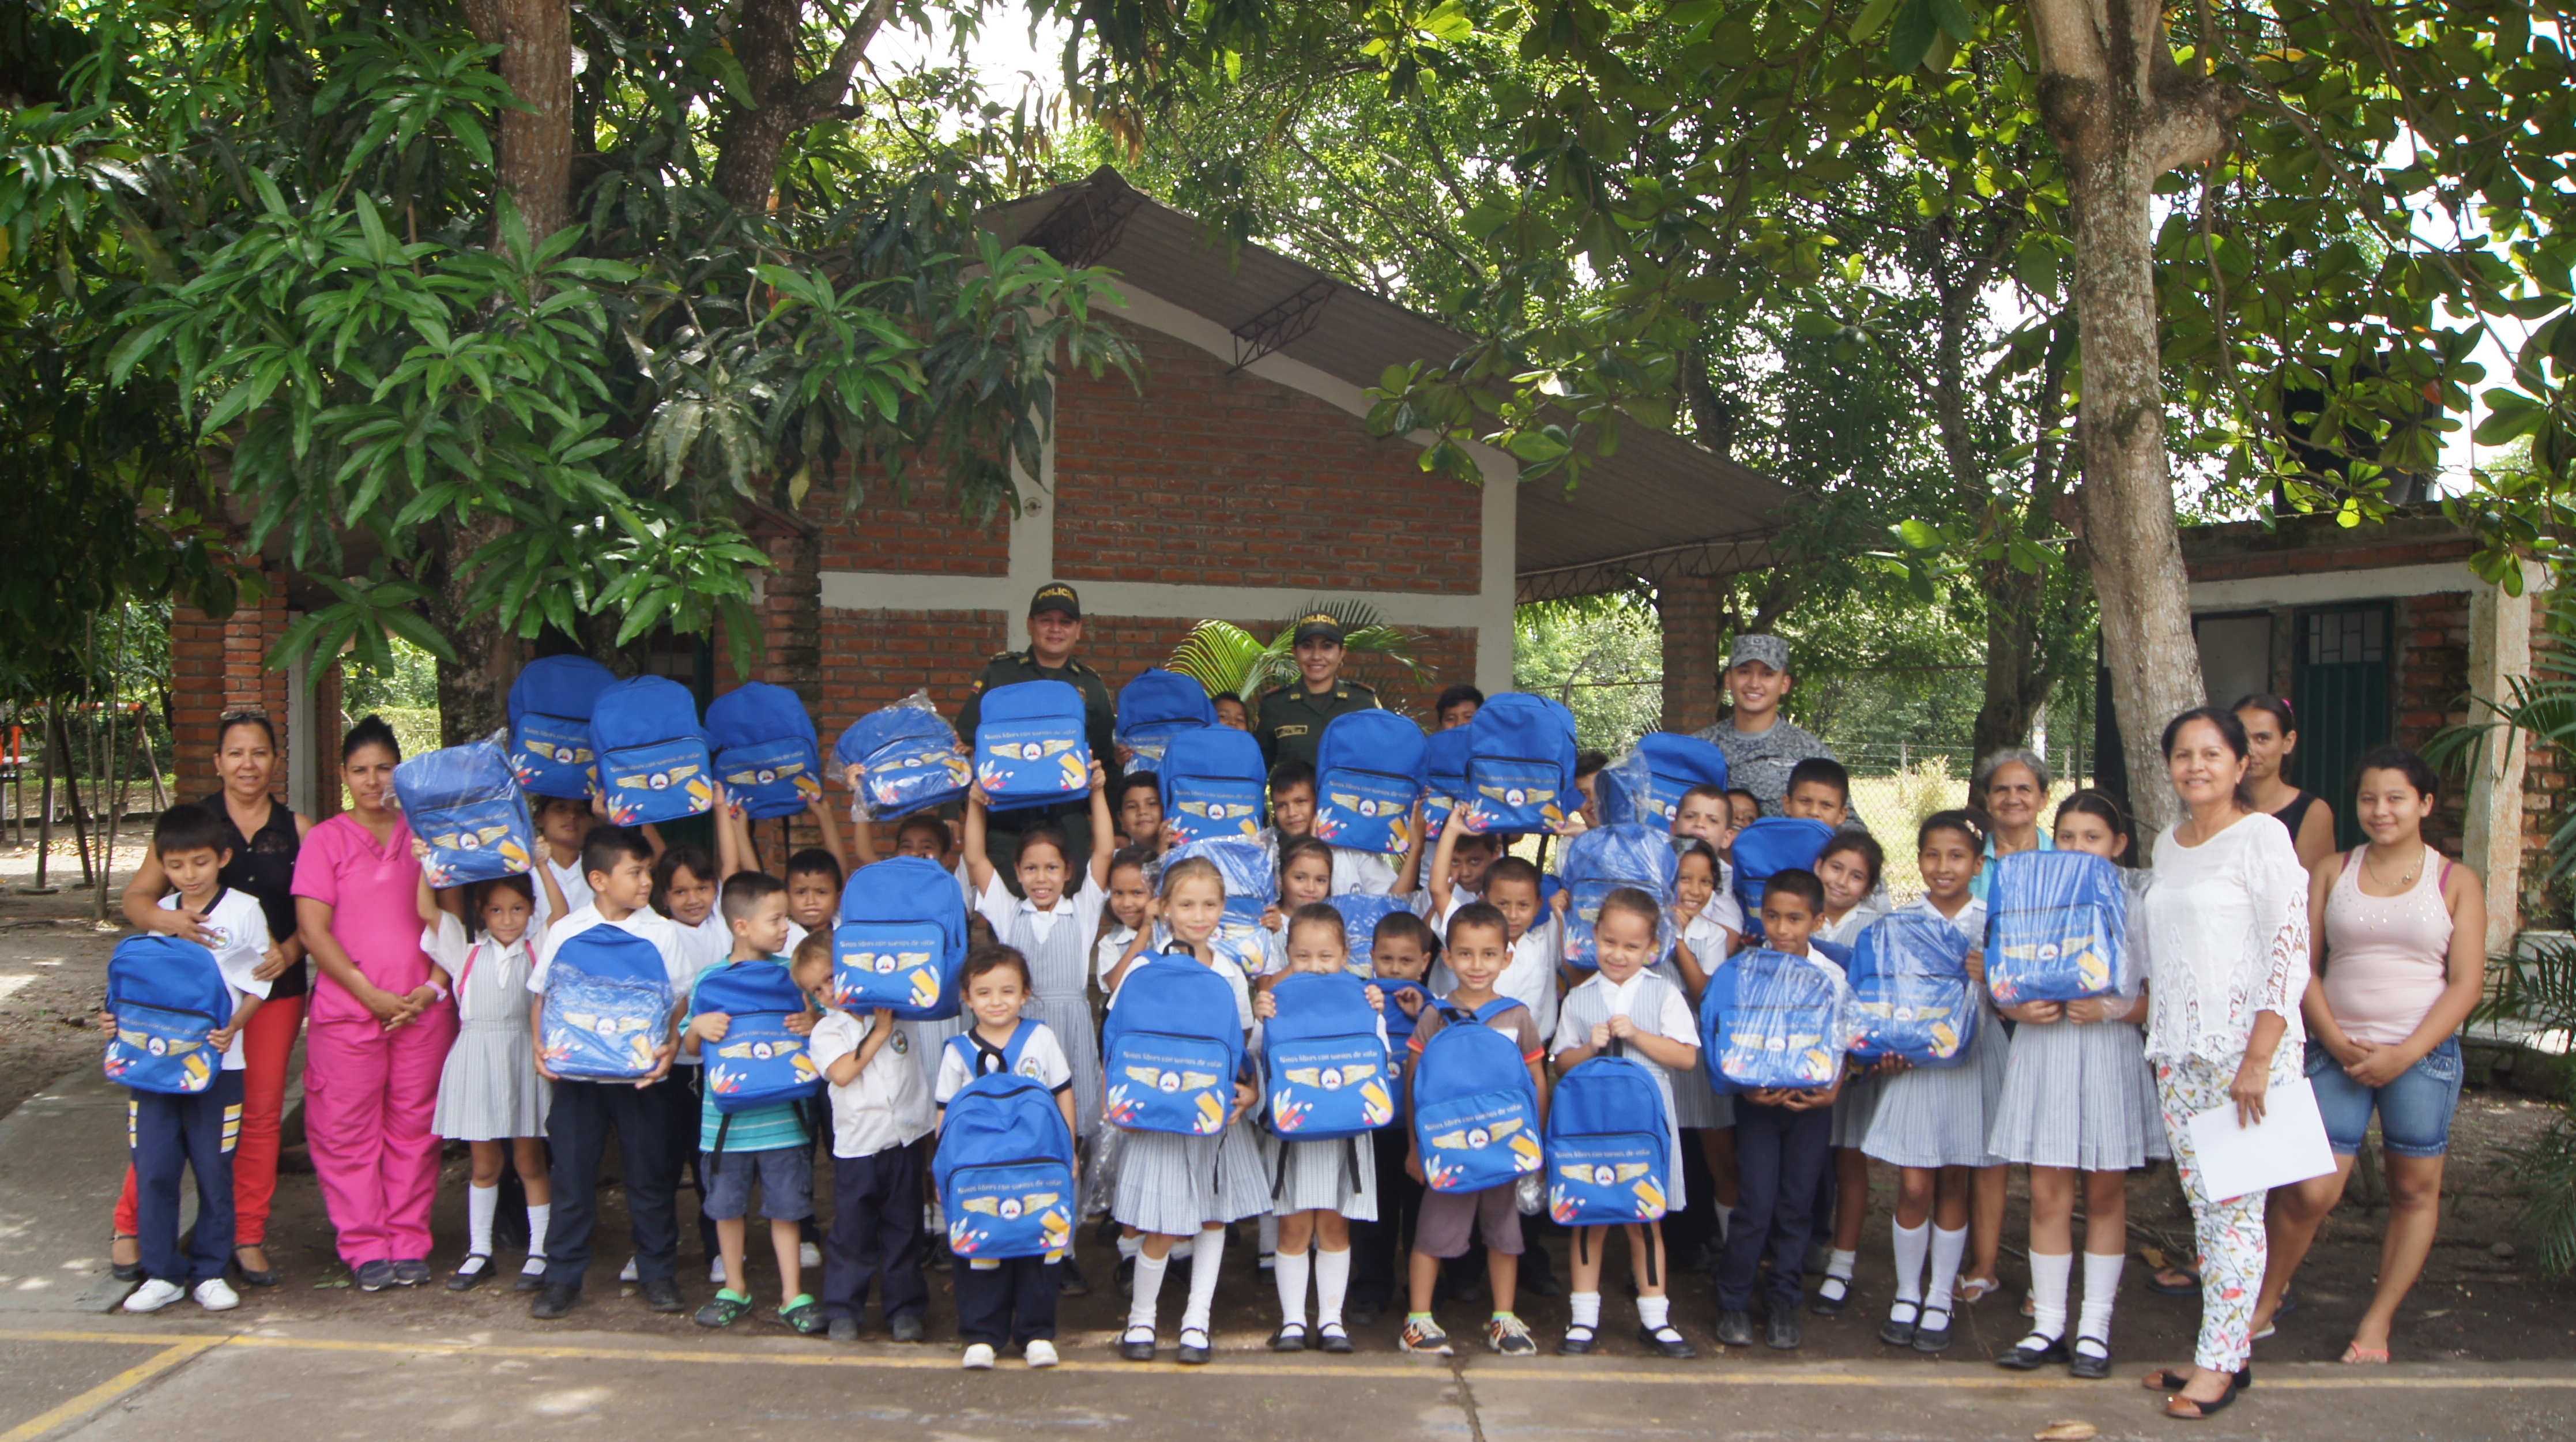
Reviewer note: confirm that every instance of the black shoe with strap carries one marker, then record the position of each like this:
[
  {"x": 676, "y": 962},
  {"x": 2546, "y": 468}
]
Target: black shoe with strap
[
  {"x": 2091, "y": 1361},
  {"x": 2032, "y": 1353}
]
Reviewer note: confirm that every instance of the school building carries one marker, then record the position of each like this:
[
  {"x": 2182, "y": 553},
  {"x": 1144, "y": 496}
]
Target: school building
[{"x": 1240, "y": 482}]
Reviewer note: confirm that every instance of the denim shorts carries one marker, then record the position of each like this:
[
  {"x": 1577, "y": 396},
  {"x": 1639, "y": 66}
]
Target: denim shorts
[
  {"x": 785, "y": 1174},
  {"x": 2414, "y": 1110}
]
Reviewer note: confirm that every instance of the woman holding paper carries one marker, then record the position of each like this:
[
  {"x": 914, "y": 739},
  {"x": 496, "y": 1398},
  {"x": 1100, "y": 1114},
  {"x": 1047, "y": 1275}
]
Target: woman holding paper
[
  {"x": 2401, "y": 943},
  {"x": 2227, "y": 948}
]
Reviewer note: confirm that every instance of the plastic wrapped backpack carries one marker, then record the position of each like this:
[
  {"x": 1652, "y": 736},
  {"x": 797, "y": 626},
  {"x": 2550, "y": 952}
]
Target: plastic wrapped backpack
[
  {"x": 1787, "y": 1025},
  {"x": 1360, "y": 916},
  {"x": 1155, "y": 707},
  {"x": 1911, "y": 996},
  {"x": 1646, "y": 786},
  {"x": 909, "y": 757},
  {"x": 465, "y": 805},
  {"x": 765, "y": 750},
  {"x": 1249, "y": 868},
  {"x": 550, "y": 708},
  {"x": 1601, "y": 861},
  {"x": 2057, "y": 929}
]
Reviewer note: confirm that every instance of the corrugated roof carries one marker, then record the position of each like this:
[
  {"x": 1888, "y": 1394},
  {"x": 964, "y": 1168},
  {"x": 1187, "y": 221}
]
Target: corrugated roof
[{"x": 1658, "y": 508}]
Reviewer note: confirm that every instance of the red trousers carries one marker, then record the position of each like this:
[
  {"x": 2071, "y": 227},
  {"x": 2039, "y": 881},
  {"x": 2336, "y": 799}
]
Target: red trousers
[{"x": 266, "y": 1044}]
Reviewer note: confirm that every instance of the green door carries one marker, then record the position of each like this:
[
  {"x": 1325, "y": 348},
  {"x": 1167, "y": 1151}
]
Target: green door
[{"x": 2339, "y": 687}]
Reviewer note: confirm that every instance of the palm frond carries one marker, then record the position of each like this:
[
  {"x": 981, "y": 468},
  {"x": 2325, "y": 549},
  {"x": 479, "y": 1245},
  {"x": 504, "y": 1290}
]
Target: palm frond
[{"x": 1222, "y": 656}]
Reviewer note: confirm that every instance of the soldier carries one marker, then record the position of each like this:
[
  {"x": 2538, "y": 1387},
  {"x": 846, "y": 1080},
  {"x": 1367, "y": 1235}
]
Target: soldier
[
  {"x": 1055, "y": 629},
  {"x": 1293, "y": 716}
]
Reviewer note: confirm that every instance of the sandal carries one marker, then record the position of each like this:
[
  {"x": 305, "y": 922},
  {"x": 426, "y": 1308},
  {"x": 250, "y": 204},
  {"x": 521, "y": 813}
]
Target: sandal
[
  {"x": 1973, "y": 1290},
  {"x": 803, "y": 1315},
  {"x": 124, "y": 1271},
  {"x": 2202, "y": 1411},
  {"x": 724, "y": 1309},
  {"x": 2355, "y": 1354},
  {"x": 2173, "y": 1379},
  {"x": 2189, "y": 1287}
]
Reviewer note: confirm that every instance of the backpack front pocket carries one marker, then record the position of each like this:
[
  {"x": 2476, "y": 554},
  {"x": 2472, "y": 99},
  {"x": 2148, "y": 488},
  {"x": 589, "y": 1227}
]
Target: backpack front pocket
[
  {"x": 1330, "y": 1087},
  {"x": 1514, "y": 793},
  {"x": 2051, "y": 953},
  {"x": 1477, "y": 1141},
  {"x": 657, "y": 782},
  {"x": 158, "y": 1049},
  {"x": 1030, "y": 762},
  {"x": 1160, "y": 1082},
  {"x": 1599, "y": 1178},
  {"x": 600, "y": 1028},
  {"x": 551, "y": 755},
  {"x": 478, "y": 841},
  {"x": 1366, "y": 811},
  {"x": 772, "y": 778},
  {"x": 1006, "y": 1209},
  {"x": 1206, "y": 806},
  {"x": 894, "y": 964}
]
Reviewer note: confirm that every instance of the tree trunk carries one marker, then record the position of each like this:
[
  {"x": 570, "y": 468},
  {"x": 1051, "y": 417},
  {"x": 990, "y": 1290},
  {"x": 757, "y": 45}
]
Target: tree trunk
[
  {"x": 474, "y": 689},
  {"x": 535, "y": 152},
  {"x": 753, "y": 137},
  {"x": 2016, "y": 682},
  {"x": 2122, "y": 113}
]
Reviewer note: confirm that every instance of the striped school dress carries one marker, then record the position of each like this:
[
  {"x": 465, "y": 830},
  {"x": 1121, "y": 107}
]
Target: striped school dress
[
  {"x": 1857, "y": 1107},
  {"x": 2081, "y": 1096},
  {"x": 489, "y": 1089},
  {"x": 1057, "y": 943},
  {"x": 1307, "y": 1176},
  {"x": 1941, "y": 1118},
  {"x": 1174, "y": 1185}
]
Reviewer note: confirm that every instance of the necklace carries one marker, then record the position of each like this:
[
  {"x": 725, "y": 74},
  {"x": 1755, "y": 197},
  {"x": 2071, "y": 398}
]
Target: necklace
[{"x": 2412, "y": 867}]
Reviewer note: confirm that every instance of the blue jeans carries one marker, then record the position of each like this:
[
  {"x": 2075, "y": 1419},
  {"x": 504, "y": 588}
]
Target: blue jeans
[{"x": 2414, "y": 1110}]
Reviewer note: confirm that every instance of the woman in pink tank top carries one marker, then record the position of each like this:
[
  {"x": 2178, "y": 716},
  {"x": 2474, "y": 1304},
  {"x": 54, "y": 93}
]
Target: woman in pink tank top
[{"x": 2401, "y": 961}]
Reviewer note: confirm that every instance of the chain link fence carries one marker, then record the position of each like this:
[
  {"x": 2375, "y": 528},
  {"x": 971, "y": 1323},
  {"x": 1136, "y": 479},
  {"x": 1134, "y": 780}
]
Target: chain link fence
[{"x": 1895, "y": 786}]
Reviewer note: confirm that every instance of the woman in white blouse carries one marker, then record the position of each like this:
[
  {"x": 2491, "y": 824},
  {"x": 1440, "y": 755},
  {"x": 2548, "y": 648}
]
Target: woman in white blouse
[{"x": 2227, "y": 954}]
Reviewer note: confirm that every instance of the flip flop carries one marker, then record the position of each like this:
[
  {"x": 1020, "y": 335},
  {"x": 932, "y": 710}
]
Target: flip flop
[
  {"x": 1973, "y": 1290},
  {"x": 2163, "y": 1288},
  {"x": 2355, "y": 1354}
]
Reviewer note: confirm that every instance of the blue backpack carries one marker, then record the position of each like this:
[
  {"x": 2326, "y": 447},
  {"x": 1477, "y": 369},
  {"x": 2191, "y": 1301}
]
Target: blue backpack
[
  {"x": 607, "y": 1007},
  {"x": 765, "y": 750},
  {"x": 653, "y": 761},
  {"x": 1609, "y": 1143},
  {"x": 1368, "y": 774},
  {"x": 911, "y": 760},
  {"x": 1911, "y": 996},
  {"x": 1330, "y": 1073},
  {"x": 1155, "y": 707},
  {"x": 1360, "y": 916},
  {"x": 1601, "y": 861},
  {"x": 1646, "y": 786},
  {"x": 1250, "y": 872},
  {"x": 465, "y": 805},
  {"x": 1213, "y": 784},
  {"x": 1771, "y": 845},
  {"x": 166, "y": 993},
  {"x": 1784, "y": 1027},
  {"x": 1444, "y": 779},
  {"x": 1399, "y": 1027},
  {"x": 1520, "y": 764},
  {"x": 760, "y": 1062},
  {"x": 550, "y": 709},
  {"x": 2057, "y": 929},
  {"x": 900, "y": 940},
  {"x": 1475, "y": 1110},
  {"x": 1004, "y": 1168},
  {"x": 1171, "y": 1049},
  {"x": 1029, "y": 745}
]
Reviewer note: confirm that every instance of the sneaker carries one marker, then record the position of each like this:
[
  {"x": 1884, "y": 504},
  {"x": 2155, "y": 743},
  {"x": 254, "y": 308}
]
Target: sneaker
[
  {"x": 907, "y": 1328},
  {"x": 715, "y": 1272},
  {"x": 554, "y": 1302},
  {"x": 628, "y": 1273},
  {"x": 808, "y": 1255},
  {"x": 844, "y": 1329},
  {"x": 153, "y": 1295},
  {"x": 411, "y": 1272},
  {"x": 1511, "y": 1337},
  {"x": 375, "y": 1276},
  {"x": 213, "y": 1295},
  {"x": 1735, "y": 1328},
  {"x": 978, "y": 1358},
  {"x": 1423, "y": 1336},
  {"x": 1040, "y": 1352}
]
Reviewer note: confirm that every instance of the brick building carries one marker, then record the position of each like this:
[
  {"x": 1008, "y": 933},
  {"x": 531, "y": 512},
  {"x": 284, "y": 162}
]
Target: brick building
[{"x": 1240, "y": 482}]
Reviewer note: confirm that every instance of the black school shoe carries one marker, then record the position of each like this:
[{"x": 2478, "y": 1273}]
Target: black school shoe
[
  {"x": 1735, "y": 1329},
  {"x": 1929, "y": 1339},
  {"x": 1897, "y": 1332},
  {"x": 2023, "y": 1357},
  {"x": 2090, "y": 1367},
  {"x": 1831, "y": 1297},
  {"x": 1069, "y": 1280},
  {"x": 1577, "y": 1341},
  {"x": 1666, "y": 1342},
  {"x": 1783, "y": 1335},
  {"x": 554, "y": 1302},
  {"x": 662, "y": 1294}
]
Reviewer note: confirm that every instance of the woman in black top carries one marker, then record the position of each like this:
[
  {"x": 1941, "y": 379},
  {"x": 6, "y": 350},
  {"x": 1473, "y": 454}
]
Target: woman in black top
[
  {"x": 265, "y": 837},
  {"x": 2274, "y": 738}
]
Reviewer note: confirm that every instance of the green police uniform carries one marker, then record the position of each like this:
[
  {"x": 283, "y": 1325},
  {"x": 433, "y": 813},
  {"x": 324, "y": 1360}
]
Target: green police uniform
[
  {"x": 1292, "y": 720},
  {"x": 1100, "y": 723}
]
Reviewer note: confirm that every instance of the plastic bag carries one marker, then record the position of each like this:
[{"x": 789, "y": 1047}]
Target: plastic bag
[
  {"x": 465, "y": 805},
  {"x": 1249, "y": 866},
  {"x": 1601, "y": 861},
  {"x": 911, "y": 758},
  {"x": 1787, "y": 1027},
  {"x": 604, "y": 1028},
  {"x": 2057, "y": 929},
  {"x": 1360, "y": 916},
  {"x": 1911, "y": 996}
]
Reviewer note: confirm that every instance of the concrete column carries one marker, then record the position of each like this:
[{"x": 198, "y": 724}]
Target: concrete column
[
  {"x": 2499, "y": 653},
  {"x": 1689, "y": 607}
]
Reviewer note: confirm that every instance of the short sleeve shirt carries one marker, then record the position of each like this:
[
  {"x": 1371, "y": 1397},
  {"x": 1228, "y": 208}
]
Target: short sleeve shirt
[
  {"x": 650, "y": 925},
  {"x": 1041, "y": 1060},
  {"x": 1081, "y": 910},
  {"x": 887, "y": 1104},
  {"x": 373, "y": 890},
  {"x": 1517, "y": 1024},
  {"x": 241, "y": 943},
  {"x": 753, "y": 1129}
]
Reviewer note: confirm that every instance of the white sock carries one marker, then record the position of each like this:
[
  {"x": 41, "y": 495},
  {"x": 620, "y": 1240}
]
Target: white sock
[
  {"x": 1203, "y": 1268},
  {"x": 482, "y": 1204},
  {"x": 541, "y": 1215},
  {"x": 2048, "y": 1278},
  {"x": 1291, "y": 1275},
  {"x": 1129, "y": 1246},
  {"x": 1147, "y": 1290},
  {"x": 1842, "y": 1265},
  {"x": 1912, "y": 1244},
  {"x": 1587, "y": 1309},
  {"x": 2101, "y": 1290},
  {"x": 1655, "y": 1313},
  {"x": 1332, "y": 1284},
  {"x": 1947, "y": 1249}
]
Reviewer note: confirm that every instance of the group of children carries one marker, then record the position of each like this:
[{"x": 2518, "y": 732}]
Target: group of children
[{"x": 1476, "y": 939}]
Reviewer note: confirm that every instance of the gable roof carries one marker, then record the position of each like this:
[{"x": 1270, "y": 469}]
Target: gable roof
[{"x": 1661, "y": 507}]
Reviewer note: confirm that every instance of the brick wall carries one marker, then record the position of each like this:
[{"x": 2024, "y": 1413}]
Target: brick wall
[
  {"x": 2432, "y": 682},
  {"x": 1230, "y": 479},
  {"x": 925, "y": 534},
  {"x": 221, "y": 666}
]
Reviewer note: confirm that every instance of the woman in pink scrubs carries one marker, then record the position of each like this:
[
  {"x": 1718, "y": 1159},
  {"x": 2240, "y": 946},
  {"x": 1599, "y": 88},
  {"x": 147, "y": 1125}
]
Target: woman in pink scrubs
[{"x": 380, "y": 1027}]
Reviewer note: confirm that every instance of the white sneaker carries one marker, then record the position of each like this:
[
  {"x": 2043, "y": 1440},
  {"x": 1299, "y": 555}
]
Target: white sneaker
[
  {"x": 1041, "y": 1353},
  {"x": 808, "y": 1255},
  {"x": 715, "y": 1270},
  {"x": 153, "y": 1295},
  {"x": 216, "y": 1295},
  {"x": 628, "y": 1273},
  {"x": 978, "y": 1358}
]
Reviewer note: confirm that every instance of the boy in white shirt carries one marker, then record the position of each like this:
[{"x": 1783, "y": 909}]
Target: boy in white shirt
[{"x": 881, "y": 1110}]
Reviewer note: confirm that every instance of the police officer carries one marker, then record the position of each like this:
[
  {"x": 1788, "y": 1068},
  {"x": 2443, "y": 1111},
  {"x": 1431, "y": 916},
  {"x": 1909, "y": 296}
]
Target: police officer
[
  {"x": 1293, "y": 716},
  {"x": 1055, "y": 629}
]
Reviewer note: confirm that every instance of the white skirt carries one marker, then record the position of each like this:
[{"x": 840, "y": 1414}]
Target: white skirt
[
  {"x": 489, "y": 1090},
  {"x": 1940, "y": 1118},
  {"x": 1323, "y": 1176},
  {"x": 1173, "y": 1185},
  {"x": 2079, "y": 1096}
]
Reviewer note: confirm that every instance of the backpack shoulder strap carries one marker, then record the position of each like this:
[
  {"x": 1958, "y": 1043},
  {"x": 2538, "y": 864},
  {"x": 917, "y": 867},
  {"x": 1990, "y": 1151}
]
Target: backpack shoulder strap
[{"x": 1493, "y": 1010}]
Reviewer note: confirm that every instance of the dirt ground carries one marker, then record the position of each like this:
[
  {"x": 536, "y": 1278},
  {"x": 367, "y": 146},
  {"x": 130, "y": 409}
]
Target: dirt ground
[{"x": 2479, "y": 1299}]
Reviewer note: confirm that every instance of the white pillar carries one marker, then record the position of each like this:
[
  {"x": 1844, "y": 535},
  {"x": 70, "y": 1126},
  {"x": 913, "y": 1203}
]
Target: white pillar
[{"x": 2499, "y": 653}]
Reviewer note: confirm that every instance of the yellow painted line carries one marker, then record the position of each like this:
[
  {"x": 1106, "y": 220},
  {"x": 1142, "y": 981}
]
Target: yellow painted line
[
  {"x": 1428, "y": 1369},
  {"x": 111, "y": 1389}
]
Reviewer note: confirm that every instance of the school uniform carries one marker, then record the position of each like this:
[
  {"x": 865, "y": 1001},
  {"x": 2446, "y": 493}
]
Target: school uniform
[
  {"x": 166, "y": 1133},
  {"x": 1006, "y": 1299},
  {"x": 569, "y": 879},
  {"x": 1172, "y": 1185},
  {"x": 2081, "y": 1096},
  {"x": 1655, "y": 1005},
  {"x": 1057, "y": 943},
  {"x": 1335, "y": 1176},
  {"x": 489, "y": 1089},
  {"x": 1941, "y": 1117},
  {"x": 879, "y": 1121},
  {"x": 1364, "y": 873},
  {"x": 1782, "y": 1158},
  {"x": 1529, "y": 977},
  {"x": 1857, "y": 1107},
  {"x": 1696, "y": 1104},
  {"x": 581, "y": 1114},
  {"x": 1449, "y": 1218}
]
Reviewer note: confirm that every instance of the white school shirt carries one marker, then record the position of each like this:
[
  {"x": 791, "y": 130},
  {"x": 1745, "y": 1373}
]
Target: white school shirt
[
  {"x": 1707, "y": 947},
  {"x": 568, "y": 879},
  {"x": 1846, "y": 932},
  {"x": 887, "y": 1105},
  {"x": 241, "y": 943},
  {"x": 1041, "y": 1060},
  {"x": 649, "y": 924},
  {"x": 1364, "y": 873},
  {"x": 1081, "y": 909},
  {"x": 448, "y": 944},
  {"x": 1107, "y": 952},
  {"x": 707, "y": 944}
]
